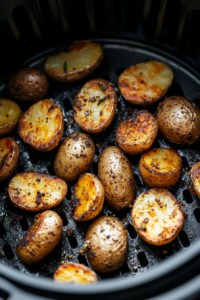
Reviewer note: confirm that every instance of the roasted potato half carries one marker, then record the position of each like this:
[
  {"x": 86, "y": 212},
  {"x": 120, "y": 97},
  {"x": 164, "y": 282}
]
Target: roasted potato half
[
  {"x": 136, "y": 134},
  {"x": 95, "y": 105},
  {"x": 10, "y": 114},
  {"x": 74, "y": 273},
  {"x": 9, "y": 157},
  {"x": 41, "y": 238},
  {"x": 75, "y": 62},
  {"x": 161, "y": 167},
  {"x": 35, "y": 192},
  {"x": 157, "y": 216},
  {"x": 106, "y": 244},
  {"x": 74, "y": 156},
  {"x": 42, "y": 125},
  {"x": 116, "y": 176},
  {"x": 179, "y": 120},
  {"x": 88, "y": 198},
  {"x": 28, "y": 84},
  {"x": 145, "y": 83},
  {"x": 195, "y": 178}
]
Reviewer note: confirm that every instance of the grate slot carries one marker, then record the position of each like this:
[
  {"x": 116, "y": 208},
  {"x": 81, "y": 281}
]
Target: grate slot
[
  {"x": 131, "y": 231},
  {"x": 33, "y": 157},
  {"x": 82, "y": 260},
  {"x": 197, "y": 214},
  {"x": 24, "y": 224},
  {"x": 67, "y": 104},
  {"x": 142, "y": 259},
  {"x": 64, "y": 218},
  {"x": 138, "y": 181},
  {"x": 50, "y": 169},
  {"x": 187, "y": 196},
  {"x": 8, "y": 252},
  {"x": 184, "y": 239},
  {"x": 73, "y": 241},
  {"x": 2, "y": 231},
  {"x": 185, "y": 163}
]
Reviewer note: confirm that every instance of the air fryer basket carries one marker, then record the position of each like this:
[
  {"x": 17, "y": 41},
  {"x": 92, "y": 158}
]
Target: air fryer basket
[{"x": 130, "y": 32}]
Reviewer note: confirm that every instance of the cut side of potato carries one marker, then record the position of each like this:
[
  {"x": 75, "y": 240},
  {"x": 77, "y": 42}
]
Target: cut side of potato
[
  {"x": 74, "y": 273},
  {"x": 145, "y": 83},
  {"x": 161, "y": 167},
  {"x": 10, "y": 114},
  {"x": 77, "y": 61},
  {"x": 195, "y": 178},
  {"x": 9, "y": 157},
  {"x": 42, "y": 125},
  {"x": 95, "y": 105},
  {"x": 35, "y": 192},
  {"x": 157, "y": 216},
  {"x": 88, "y": 197},
  {"x": 136, "y": 134},
  {"x": 41, "y": 238}
]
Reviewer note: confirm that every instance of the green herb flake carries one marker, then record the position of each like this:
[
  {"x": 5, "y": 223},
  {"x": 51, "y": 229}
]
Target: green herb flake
[
  {"x": 101, "y": 87},
  {"x": 65, "y": 67},
  {"x": 102, "y": 100}
]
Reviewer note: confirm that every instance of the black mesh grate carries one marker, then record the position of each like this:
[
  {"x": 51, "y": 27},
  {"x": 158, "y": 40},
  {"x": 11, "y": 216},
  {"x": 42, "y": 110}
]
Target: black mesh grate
[{"x": 141, "y": 256}]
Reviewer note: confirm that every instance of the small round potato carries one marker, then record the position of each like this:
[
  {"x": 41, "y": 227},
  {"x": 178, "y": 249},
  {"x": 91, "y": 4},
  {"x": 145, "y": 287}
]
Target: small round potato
[
  {"x": 145, "y": 83},
  {"x": 10, "y": 114},
  {"x": 195, "y": 178},
  {"x": 95, "y": 105},
  {"x": 35, "y": 192},
  {"x": 74, "y": 273},
  {"x": 179, "y": 120},
  {"x": 116, "y": 176},
  {"x": 76, "y": 62},
  {"x": 41, "y": 238},
  {"x": 88, "y": 197},
  {"x": 74, "y": 156},
  {"x": 161, "y": 167},
  {"x": 136, "y": 134},
  {"x": 157, "y": 216},
  {"x": 9, "y": 157},
  {"x": 106, "y": 243},
  {"x": 28, "y": 84},
  {"x": 42, "y": 125}
]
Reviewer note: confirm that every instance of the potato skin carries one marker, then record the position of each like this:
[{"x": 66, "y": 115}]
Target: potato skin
[
  {"x": 179, "y": 120},
  {"x": 157, "y": 216},
  {"x": 8, "y": 110},
  {"x": 42, "y": 125},
  {"x": 87, "y": 190},
  {"x": 77, "y": 46},
  {"x": 161, "y": 167},
  {"x": 28, "y": 84},
  {"x": 9, "y": 157},
  {"x": 74, "y": 156},
  {"x": 106, "y": 243},
  {"x": 79, "y": 274},
  {"x": 116, "y": 176},
  {"x": 33, "y": 191},
  {"x": 136, "y": 134},
  {"x": 90, "y": 116},
  {"x": 41, "y": 237},
  {"x": 195, "y": 178}
]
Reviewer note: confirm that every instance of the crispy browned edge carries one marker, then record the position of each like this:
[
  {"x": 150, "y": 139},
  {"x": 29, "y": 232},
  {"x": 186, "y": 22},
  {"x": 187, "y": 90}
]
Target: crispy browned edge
[
  {"x": 55, "y": 139},
  {"x": 79, "y": 266},
  {"x": 18, "y": 201},
  {"x": 161, "y": 241},
  {"x": 195, "y": 171},
  {"x": 103, "y": 126}
]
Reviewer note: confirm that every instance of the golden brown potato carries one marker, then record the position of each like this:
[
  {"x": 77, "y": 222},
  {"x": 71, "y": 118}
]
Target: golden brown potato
[
  {"x": 42, "y": 125},
  {"x": 95, "y": 105},
  {"x": 116, "y": 176},
  {"x": 106, "y": 243},
  {"x": 145, "y": 83},
  {"x": 28, "y": 84},
  {"x": 76, "y": 61},
  {"x": 88, "y": 198},
  {"x": 179, "y": 120},
  {"x": 157, "y": 216},
  {"x": 9, "y": 157},
  {"x": 161, "y": 167},
  {"x": 74, "y": 156},
  {"x": 195, "y": 178},
  {"x": 10, "y": 114},
  {"x": 35, "y": 192},
  {"x": 136, "y": 134},
  {"x": 74, "y": 273},
  {"x": 41, "y": 238}
]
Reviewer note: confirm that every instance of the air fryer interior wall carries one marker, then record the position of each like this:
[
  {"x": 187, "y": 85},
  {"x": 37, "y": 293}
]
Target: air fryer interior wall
[{"x": 38, "y": 25}]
